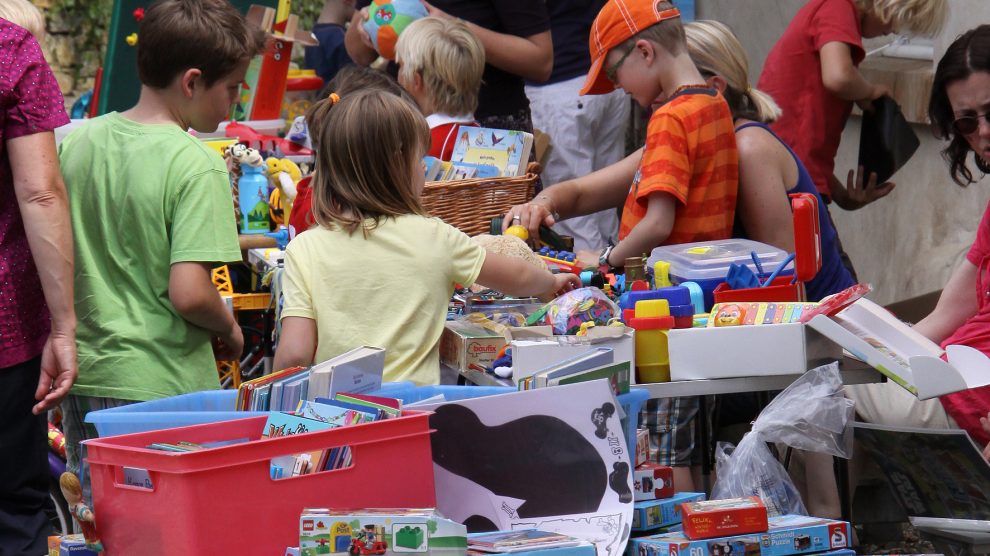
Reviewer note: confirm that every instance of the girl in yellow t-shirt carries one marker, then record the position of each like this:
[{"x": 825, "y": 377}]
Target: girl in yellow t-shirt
[{"x": 377, "y": 270}]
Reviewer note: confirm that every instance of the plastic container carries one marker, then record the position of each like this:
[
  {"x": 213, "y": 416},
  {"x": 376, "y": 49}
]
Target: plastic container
[
  {"x": 706, "y": 263},
  {"x": 408, "y": 392},
  {"x": 652, "y": 320},
  {"x": 781, "y": 289},
  {"x": 209, "y": 406},
  {"x": 253, "y": 200},
  {"x": 223, "y": 501}
]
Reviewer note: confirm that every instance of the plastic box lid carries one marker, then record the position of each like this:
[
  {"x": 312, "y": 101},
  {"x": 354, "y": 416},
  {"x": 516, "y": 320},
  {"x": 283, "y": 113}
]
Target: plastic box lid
[{"x": 710, "y": 260}]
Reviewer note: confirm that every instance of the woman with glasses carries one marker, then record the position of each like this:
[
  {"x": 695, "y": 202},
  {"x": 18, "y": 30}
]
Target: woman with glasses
[{"x": 958, "y": 109}]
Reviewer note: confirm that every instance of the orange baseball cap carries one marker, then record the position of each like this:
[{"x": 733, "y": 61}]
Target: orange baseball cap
[{"x": 618, "y": 21}]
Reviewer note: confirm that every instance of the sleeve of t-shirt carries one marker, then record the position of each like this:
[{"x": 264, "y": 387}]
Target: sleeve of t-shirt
[
  {"x": 37, "y": 105},
  {"x": 522, "y": 18},
  {"x": 203, "y": 225},
  {"x": 666, "y": 165},
  {"x": 296, "y": 290},
  {"x": 466, "y": 258},
  {"x": 837, "y": 21},
  {"x": 981, "y": 246}
]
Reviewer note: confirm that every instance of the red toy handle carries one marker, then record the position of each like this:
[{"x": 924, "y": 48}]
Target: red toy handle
[{"x": 807, "y": 236}]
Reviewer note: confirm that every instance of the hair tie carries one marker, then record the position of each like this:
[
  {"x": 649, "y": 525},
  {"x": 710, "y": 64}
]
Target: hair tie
[{"x": 333, "y": 97}]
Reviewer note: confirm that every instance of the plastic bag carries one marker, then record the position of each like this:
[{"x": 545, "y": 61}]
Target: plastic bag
[
  {"x": 811, "y": 414},
  {"x": 568, "y": 312}
]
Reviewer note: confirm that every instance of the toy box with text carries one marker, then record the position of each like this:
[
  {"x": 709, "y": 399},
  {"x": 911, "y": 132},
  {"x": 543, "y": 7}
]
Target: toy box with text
[
  {"x": 73, "y": 545},
  {"x": 788, "y": 535},
  {"x": 535, "y": 347},
  {"x": 366, "y": 532},
  {"x": 650, "y": 514},
  {"x": 652, "y": 481},
  {"x": 464, "y": 344},
  {"x": 632, "y": 548},
  {"x": 718, "y": 518}
]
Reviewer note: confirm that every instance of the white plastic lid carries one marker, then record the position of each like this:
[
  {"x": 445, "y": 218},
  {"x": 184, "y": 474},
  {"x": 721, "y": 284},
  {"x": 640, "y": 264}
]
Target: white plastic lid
[{"x": 707, "y": 260}]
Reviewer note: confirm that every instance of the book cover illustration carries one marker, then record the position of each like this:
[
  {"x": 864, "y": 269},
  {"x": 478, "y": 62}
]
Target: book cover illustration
[{"x": 507, "y": 150}]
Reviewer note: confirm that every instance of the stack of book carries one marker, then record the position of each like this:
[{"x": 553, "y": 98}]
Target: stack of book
[
  {"x": 482, "y": 152},
  {"x": 523, "y": 540},
  {"x": 593, "y": 364},
  {"x": 359, "y": 370}
]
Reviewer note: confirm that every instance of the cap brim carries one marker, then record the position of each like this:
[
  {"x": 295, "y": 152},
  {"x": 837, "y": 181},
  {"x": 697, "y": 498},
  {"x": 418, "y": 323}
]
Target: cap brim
[{"x": 597, "y": 82}]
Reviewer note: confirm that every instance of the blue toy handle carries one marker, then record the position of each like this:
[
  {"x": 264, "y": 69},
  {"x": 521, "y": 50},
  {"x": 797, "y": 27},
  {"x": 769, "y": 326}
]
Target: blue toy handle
[{"x": 776, "y": 271}]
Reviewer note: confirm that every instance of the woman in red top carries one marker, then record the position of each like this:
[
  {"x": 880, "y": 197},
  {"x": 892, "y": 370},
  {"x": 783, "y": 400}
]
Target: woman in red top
[{"x": 959, "y": 107}]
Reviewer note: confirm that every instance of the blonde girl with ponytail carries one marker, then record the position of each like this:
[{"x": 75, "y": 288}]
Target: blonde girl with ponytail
[{"x": 768, "y": 169}]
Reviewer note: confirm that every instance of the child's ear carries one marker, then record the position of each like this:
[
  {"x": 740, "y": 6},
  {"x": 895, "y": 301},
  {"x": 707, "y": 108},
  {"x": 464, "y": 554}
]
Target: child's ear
[
  {"x": 717, "y": 82},
  {"x": 189, "y": 80}
]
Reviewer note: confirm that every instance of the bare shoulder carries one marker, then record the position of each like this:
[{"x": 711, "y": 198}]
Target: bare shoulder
[{"x": 757, "y": 145}]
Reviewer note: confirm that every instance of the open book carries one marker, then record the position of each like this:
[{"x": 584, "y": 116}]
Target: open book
[
  {"x": 939, "y": 476},
  {"x": 871, "y": 333}
]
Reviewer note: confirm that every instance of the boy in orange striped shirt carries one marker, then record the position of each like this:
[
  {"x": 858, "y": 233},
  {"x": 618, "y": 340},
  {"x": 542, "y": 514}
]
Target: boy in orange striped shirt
[{"x": 683, "y": 182}]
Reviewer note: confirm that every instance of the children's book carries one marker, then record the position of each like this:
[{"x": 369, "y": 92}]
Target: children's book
[
  {"x": 244, "y": 393},
  {"x": 335, "y": 416},
  {"x": 359, "y": 370},
  {"x": 939, "y": 476},
  {"x": 507, "y": 150},
  {"x": 590, "y": 359},
  {"x": 390, "y": 407},
  {"x": 524, "y": 539},
  {"x": 281, "y": 424},
  {"x": 617, "y": 375},
  {"x": 871, "y": 333}
]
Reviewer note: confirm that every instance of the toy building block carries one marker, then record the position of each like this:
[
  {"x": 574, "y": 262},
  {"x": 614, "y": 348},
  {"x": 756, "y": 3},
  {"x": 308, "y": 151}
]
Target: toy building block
[{"x": 409, "y": 537}]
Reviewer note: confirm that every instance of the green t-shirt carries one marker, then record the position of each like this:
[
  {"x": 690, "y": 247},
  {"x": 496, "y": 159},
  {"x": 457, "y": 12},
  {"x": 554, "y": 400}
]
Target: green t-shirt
[{"x": 142, "y": 198}]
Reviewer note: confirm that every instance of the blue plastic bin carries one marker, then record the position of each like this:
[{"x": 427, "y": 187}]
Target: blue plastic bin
[
  {"x": 196, "y": 408},
  {"x": 408, "y": 392}
]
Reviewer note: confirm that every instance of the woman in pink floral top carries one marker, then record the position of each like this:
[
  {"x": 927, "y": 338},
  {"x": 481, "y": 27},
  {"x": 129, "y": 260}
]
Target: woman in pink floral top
[{"x": 37, "y": 319}]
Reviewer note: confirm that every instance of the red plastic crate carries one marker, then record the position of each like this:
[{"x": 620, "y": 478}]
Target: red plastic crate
[
  {"x": 781, "y": 289},
  {"x": 223, "y": 501}
]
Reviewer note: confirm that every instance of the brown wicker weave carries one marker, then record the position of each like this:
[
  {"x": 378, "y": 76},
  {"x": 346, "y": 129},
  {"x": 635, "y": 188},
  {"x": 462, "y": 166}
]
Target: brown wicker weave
[{"x": 470, "y": 204}]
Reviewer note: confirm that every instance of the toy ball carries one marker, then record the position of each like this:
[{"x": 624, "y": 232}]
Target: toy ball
[
  {"x": 386, "y": 21},
  {"x": 519, "y": 231}
]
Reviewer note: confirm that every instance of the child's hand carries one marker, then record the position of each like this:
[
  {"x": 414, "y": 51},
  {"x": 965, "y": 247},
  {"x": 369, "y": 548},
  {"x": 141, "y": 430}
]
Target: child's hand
[
  {"x": 229, "y": 345},
  {"x": 856, "y": 195},
  {"x": 878, "y": 91},
  {"x": 357, "y": 22},
  {"x": 562, "y": 283}
]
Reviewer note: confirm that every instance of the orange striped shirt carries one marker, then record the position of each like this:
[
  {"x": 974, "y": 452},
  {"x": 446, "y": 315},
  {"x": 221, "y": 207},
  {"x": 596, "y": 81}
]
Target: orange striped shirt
[{"x": 691, "y": 154}]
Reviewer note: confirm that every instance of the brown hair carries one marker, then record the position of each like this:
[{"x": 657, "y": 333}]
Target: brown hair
[
  {"x": 68, "y": 481},
  {"x": 209, "y": 35},
  {"x": 349, "y": 80},
  {"x": 371, "y": 143},
  {"x": 668, "y": 33}
]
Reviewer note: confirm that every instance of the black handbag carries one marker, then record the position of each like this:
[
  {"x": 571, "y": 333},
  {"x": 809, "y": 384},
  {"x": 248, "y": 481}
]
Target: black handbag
[{"x": 886, "y": 140}]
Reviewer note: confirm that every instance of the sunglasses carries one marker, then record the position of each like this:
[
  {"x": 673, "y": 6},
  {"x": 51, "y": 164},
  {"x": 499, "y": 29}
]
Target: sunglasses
[
  {"x": 611, "y": 71},
  {"x": 968, "y": 125}
]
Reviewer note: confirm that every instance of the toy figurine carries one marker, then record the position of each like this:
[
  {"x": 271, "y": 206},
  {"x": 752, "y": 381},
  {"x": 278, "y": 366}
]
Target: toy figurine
[
  {"x": 730, "y": 315},
  {"x": 72, "y": 491},
  {"x": 242, "y": 154},
  {"x": 284, "y": 175}
]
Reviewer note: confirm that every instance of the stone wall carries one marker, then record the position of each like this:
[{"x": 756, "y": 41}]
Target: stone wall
[{"x": 69, "y": 45}]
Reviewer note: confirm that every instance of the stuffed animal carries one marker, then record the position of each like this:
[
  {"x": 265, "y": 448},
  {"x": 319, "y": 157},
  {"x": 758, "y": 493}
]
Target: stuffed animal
[
  {"x": 284, "y": 175},
  {"x": 386, "y": 21},
  {"x": 242, "y": 154},
  {"x": 510, "y": 246}
]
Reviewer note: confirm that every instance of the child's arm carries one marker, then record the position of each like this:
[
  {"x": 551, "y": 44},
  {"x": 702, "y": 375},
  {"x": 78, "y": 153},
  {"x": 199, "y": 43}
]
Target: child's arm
[
  {"x": 651, "y": 231},
  {"x": 196, "y": 299},
  {"x": 518, "y": 278},
  {"x": 528, "y": 57},
  {"x": 955, "y": 306},
  {"x": 297, "y": 343},
  {"x": 841, "y": 77},
  {"x": 599, "y": 190}
]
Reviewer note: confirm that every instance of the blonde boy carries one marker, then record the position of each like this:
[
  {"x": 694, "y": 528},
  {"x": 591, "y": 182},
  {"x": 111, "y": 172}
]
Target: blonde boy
[{"x": 440, "y": 63}]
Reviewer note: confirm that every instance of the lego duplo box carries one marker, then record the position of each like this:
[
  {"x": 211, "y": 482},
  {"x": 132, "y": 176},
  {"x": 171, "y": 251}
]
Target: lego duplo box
[
  {"x": 651, "y": 514},
  {"x": 718, "y": 518},
  {"x": 652, "y": 481},
  {"x": 367, "y": 532},
  {"x": 788, "y": 535},
  {"x": 463, "y": 344}
]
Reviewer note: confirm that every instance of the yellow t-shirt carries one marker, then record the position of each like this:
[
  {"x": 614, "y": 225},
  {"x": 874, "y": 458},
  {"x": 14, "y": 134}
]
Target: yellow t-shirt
[{"x": 388, "y": 290}]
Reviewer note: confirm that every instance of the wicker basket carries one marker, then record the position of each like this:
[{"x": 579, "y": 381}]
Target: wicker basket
[{"x": 470, "y": 204}]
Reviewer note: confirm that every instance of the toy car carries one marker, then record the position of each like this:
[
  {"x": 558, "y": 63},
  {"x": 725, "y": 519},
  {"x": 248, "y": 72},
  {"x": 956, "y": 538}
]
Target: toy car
[{"x": 360, "y": 548}]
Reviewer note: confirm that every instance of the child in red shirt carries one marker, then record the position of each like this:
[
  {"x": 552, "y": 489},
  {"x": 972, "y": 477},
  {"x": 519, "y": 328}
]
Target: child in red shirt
[{"x": 440, "y": 65}]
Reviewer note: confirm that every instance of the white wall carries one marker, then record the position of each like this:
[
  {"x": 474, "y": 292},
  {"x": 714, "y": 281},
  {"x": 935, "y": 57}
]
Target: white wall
[{"x": 907, "y": 243}]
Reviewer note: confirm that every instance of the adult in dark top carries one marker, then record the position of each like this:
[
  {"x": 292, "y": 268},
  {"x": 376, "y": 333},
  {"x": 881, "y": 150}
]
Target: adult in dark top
[{"x": 516, "y": 37}]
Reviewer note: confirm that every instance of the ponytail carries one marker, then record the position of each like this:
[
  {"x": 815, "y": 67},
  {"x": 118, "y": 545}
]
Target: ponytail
[{"x": 764, "y": 108}]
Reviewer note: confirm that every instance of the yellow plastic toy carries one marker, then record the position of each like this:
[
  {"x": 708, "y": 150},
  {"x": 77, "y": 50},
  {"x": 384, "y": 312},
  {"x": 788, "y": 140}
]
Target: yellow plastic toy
[
  {"x": 519, "y": 231},
  {"x": 652, "y": 321},
  {"x": 284, "y": 174}
]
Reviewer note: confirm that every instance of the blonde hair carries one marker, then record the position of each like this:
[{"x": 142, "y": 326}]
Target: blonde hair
[
  {"x": 918, "y": 17},
  {"x": 68, "y": 481},
  {"x": 25, "y": 14},
  {"x": 715, "y": 50},
  {"x": 668, "y": 33},
  {"x": 370, "y": 145},
  {"x": 450, "y": 59}
]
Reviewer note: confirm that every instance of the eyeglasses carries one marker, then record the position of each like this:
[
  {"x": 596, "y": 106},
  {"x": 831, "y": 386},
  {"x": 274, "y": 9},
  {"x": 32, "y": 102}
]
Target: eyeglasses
[
  {"x": 967, "y": 125},
  {"x": 611, "y": 71}
]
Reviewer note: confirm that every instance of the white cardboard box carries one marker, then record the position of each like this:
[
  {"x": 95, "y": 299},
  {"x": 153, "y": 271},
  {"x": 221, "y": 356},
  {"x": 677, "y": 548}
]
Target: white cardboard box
[
  {"x": 532, "y": 350},
  {"x": 869, "y": 332},
  {"x": 741, "y": 351}
]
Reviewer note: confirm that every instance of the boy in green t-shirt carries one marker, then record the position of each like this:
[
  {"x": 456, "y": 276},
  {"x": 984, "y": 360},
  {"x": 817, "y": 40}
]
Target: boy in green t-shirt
[{"x": 152, "y": 214}]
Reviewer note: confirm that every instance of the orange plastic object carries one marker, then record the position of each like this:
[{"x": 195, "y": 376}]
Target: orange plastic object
[
  {"x": 304, "y": 83},
  {"x": 252, "y": 301},
  {"x": 807, "y": 236},
  {"x": 191, "y": 491},
  {"x": 781, "y": 289}
]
